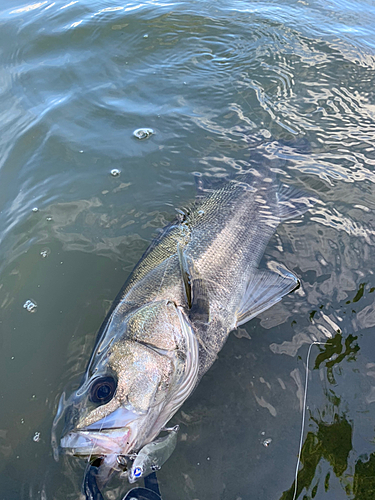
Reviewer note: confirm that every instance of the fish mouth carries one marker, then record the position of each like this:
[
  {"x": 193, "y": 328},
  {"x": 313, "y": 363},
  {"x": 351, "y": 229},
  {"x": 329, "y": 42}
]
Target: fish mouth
[
  {"x": 113, "y": 434},
  {"x": 97, "y": 443}
]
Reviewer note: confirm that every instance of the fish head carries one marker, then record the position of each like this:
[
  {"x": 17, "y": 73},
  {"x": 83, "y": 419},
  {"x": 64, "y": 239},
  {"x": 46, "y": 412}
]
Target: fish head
[{"x": 134, "y": 384}]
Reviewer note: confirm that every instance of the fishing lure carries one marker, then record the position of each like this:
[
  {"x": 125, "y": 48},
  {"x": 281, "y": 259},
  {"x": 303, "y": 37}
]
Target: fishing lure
[{"x": 152, "y": 456}]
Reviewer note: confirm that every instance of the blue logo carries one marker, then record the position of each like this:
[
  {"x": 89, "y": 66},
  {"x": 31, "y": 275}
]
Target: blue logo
[{"x": 137, "y": 472}]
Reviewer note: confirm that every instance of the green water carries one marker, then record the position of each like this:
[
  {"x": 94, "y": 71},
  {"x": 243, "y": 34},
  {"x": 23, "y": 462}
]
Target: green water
[{"x": 224, "y": 85}]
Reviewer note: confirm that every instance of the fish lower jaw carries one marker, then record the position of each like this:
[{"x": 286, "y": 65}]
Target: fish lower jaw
[{"x": 97, "y": 443}]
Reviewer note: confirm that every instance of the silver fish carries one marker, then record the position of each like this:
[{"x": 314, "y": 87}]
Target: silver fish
[{"x": 197, "y": 281}]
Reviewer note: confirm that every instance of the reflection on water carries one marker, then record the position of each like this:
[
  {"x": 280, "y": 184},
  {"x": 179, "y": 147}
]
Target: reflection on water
[
  {"x": 332, "y": 439},
  {"x": 335, "y": 353},
  {"x": 331, "y": 442},
  {"x": 223, "y": 87},
  {"x": 363, "y": 481}
]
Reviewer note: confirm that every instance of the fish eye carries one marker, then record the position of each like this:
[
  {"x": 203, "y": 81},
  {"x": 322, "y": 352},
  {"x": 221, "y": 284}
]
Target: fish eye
[{"x": 102, "y": 390}]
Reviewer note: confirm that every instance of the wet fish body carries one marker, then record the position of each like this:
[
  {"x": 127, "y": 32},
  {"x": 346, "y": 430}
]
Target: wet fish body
[{"x": 197, "y": 281}]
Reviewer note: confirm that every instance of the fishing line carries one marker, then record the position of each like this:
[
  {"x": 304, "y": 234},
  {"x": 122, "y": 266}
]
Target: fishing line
[
  {"x": 95, "y": 442},
  {"x": 90, "y": 477},
  {"x": 303, "y": 416}
]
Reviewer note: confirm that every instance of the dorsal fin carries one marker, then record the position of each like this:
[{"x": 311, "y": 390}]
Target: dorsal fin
[
  {"x": 206, "y": 185},
  {"x": 203, "y": 184},
  {"x": 293, "y": 202}
]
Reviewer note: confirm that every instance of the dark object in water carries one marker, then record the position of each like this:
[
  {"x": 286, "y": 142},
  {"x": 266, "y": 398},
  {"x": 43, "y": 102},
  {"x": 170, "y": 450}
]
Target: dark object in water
[
  {"x": 90, "y": 486},
  {"x": 151, "y": 490}
]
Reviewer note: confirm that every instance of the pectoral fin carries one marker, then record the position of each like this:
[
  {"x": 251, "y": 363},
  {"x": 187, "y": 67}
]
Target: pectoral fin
[
  {"x": 195, "y": 290},
  {"x": 265, "y": 289},
  {"x": 185, "y": 274},
  {"x": 200, "y": 306}
]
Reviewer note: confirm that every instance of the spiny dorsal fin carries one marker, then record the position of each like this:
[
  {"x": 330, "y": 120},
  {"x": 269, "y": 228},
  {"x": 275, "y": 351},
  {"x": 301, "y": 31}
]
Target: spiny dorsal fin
[{"x": 293, "y": 202}]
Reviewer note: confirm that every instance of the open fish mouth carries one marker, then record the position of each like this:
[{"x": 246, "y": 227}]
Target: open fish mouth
[
  {"x": 97, "y": 443},
  {"x": 109, "y": 435}
]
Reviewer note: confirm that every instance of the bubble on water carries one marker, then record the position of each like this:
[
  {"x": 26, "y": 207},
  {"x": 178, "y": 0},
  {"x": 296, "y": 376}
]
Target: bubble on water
[
  {"x": 115, "y": 172},
  {"x": 36, "y": 437},
  {"x": 143, "y": 133},
  {"x": 267, "y": 442},
  {"x": 45, "y": 252},
  {"x": 30, "y": 306},
  {"x": 145, "y": 36},
  {"x": 266, "y": 133},
  {"x": 35, "y": 209}
]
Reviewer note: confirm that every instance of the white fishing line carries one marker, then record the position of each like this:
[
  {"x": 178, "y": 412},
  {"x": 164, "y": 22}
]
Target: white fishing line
[
  {"x": 92, "y": 451},
  {"x": 304, "y": 416},
  {"x": 95, "y": 442}
]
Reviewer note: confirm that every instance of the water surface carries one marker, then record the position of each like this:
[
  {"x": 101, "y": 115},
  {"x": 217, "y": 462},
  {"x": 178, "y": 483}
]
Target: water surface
[{"x": 225, "y": 85}]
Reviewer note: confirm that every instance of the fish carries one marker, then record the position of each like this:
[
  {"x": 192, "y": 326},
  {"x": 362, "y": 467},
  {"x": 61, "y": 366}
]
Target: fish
[{"x": 199, "y": 280}]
